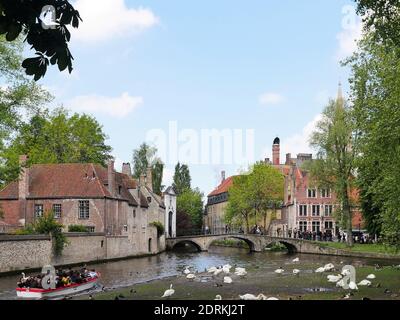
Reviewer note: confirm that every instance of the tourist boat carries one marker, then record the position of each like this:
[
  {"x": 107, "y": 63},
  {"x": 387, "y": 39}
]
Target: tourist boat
[{"x": 72, "y": 289}]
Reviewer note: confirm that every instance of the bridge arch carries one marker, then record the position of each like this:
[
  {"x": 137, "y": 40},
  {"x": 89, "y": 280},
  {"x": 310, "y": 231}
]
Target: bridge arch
[
  {"x": 198, "y": 246},
  {"x": 292, "y": 248},
  {"x": 250, "y": 243}
]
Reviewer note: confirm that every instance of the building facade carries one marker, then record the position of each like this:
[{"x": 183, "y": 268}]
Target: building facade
[{"x": 101, "y": 199}]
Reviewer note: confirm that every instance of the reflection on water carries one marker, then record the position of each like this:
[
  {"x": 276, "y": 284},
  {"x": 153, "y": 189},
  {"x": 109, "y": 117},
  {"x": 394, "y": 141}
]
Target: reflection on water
[{"x": 128, "y": 272}]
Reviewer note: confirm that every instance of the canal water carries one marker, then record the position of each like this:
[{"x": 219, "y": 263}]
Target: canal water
[{"x": 261, "y": 266}]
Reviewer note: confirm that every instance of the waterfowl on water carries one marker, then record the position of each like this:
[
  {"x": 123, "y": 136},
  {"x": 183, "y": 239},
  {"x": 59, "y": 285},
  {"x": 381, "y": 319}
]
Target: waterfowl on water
[
  {"x": 168, "y": 292},
  {"x": 296, "y": 272},
  {"x": 371, "y": 277},
  {"x": 228, "y": 280},
  {"x": 279, "y": 271},
  {"x": 365, "y": 283},
  {"x": 190, "y": 276},
  {"x": 249, "y": 296},
  {"x": 296, "y": 260},
  {"x": 218, "y": 297}
]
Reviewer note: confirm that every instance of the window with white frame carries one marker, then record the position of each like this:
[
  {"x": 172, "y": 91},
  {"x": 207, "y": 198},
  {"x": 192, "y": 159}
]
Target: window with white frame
[
  {"x": 84, "y": 213},
  {"x": 316, "y": 226},
  {"x": 39, "y": 210},
  {"x": 311, "y": 193},
  {"x": 303, "y": 210},
  {"x": 325, "y": 193},
  {"x": 303, "y": 226},
  {"x": 57, "y": 210},
  {"x": 328, "y": 210},
  {"x": 315, "y": 210}
]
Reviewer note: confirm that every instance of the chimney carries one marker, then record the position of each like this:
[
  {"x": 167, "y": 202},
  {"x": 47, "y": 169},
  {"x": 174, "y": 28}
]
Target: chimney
[
  {"x": 149, "y": 179},
  {"x": 111, "y": 177},
  {"x": 288, "y": 159},
  {"x": 276, "y": 149},
  {"x": 222, "y": 176},
  {"x": 126, "y": 169},
  {"x": 23, "y": 184}
]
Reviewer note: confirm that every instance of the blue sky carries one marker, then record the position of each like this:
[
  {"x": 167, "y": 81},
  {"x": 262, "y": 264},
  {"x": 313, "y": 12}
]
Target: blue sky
[{"x": 269, "y": 66}]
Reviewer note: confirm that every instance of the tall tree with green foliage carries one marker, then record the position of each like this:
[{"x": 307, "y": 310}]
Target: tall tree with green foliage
[
  {"x": 375, "y": 93},
  {"x": 266, "y": 189},
  {"x": 190, "y": 204},
  {"x": 382, "y": 17},
  {"x": 146, "y": 157},
  {"x": 254, "y": 194},
  {"x": 17, "y": 93},
  {"x": 335, "y": 140},
  {"x": 56, "y": 137},
  {"x": 182, "y": 179},
  {"x": 240, "y": 209}
]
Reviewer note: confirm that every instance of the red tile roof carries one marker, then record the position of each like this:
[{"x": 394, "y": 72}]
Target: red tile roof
[
  {"x": 223, "y": 187},
  {"x": 71, "y": 181}
]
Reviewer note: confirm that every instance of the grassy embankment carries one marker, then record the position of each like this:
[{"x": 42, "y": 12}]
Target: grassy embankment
[{"x": 363, "y": 248}]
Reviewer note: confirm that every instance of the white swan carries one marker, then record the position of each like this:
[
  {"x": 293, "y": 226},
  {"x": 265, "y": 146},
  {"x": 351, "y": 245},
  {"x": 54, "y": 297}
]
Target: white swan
[
  {"x": 228, "y": 280},
  {"x": 168, "y": 292},
  {"x": 366, "y": 283},
  {"x": 296, "y": 260},
  {"x": 190, "y": 276},
  {"x": 218, "y": 297},
  {"x": 226, "y": 269},
  {"x": 329, "y": 267},
  {"x": 371, "y": 277},
  {"x": 296, "y": 272},
  {"x": 239, "y": 269},
  {"x": 272, "y": 299},
  {"x": 279, "y": 271},
  {"x": 332, "y": 278},
  {"x": 186, "y": 271},
  {"x": 241, "y": 273},
  {"x": 217, "y": 272},
  {"x": 320, "y": 270},
  {"x": 211, "y": 270},
  {"x": 249, "y": 296}
]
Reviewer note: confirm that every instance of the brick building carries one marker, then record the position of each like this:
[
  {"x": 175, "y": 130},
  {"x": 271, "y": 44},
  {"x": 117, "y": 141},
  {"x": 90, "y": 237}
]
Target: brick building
[{"x": 88, "y": 194}]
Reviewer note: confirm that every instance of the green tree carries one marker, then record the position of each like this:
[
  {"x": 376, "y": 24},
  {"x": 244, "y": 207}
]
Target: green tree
[
  {"x": 22, "y": 17},
  {"x": 258, "y": 191},
  {"x": 146, "y": 157},
  {"x": 17, "y": 94},
  {"x": 335, "y": 140},
  {"x": 239, "y": 209},
  {"x": 157, "y": 173},
  {"x": 190, "y": 203},
  {"x": 266, "y": 189},
  {"x": 382, "y": 17},
  {"x": 182, "y": 179},
  {"x": 375, "y": 88},
  {"x": 56, "y": 137}
]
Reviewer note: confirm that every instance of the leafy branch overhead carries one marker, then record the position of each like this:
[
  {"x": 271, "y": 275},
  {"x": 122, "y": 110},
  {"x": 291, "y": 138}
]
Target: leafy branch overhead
[{"x": 23, "y": 17}]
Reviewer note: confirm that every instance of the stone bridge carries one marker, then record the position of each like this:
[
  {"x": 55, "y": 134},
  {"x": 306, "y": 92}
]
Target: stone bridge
[{"x": 256, "y": 243}]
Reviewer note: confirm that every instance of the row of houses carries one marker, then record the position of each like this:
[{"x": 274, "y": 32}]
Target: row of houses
[
  {"x": 90, "y": 195},
  {"x": 305, "y": 207}
]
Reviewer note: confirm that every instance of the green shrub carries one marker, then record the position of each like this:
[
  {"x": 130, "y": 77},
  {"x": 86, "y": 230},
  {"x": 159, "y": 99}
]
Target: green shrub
[
  {"x": 49, "y": 226},
  {"x": 77, "y": 228},
  {"x": 159, "y": 226}
]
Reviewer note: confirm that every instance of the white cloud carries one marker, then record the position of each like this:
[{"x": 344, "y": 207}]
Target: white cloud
[
  {"x": 108, "y": 19},
  {"x": 113, "y": 106},
  {"x": 270, "y": 98},
  {"x": 351, "y": 32}
]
